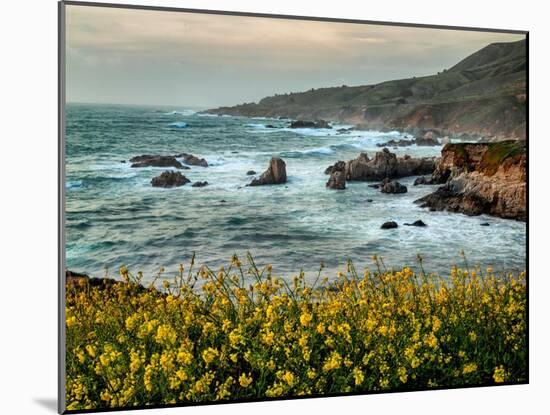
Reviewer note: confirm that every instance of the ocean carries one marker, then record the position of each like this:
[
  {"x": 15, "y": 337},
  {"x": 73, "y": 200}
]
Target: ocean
[{"x": 115, "y": 217}]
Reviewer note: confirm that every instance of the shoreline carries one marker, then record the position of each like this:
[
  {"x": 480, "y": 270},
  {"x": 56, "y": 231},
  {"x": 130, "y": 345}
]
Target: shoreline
[{"x": 221, "y": 198}]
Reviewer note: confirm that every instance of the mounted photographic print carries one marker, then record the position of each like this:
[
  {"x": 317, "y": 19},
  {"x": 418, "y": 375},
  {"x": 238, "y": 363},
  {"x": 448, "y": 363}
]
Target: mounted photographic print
[{"x": 258, "y": 207}]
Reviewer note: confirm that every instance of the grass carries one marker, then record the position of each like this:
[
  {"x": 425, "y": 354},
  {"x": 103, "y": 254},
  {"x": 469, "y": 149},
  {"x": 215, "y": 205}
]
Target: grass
[
  {"x": 493, "y": 157},
  {"x": 242, "y": 333},
  {"x": 497, "y": 153}
]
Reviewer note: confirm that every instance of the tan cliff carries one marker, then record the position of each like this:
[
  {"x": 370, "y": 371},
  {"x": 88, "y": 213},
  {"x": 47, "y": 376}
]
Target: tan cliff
[{"x": 479, "y": 178}]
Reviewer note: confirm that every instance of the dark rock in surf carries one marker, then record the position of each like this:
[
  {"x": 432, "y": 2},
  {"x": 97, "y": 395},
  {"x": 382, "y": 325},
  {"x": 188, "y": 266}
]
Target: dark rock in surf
[
  {"x": 422, "y": 180},
  {"x": 396, "y": 143},
  {"x": 250, "y": 173},
  {"x": 337, "y": 180},
  {"x": 275, "y": 173},
  {"x": 169, "y": 179},
  {"x": 199, "y": 184},
  {"x": 339, "y": 165},
  {"x": 192, "y": 160},
  {"x": 428, "y": 139},
  {"x": 389, "y": 225},
  {"x": 393, "y": 187},
  {"x": 386, "y": 164},
  {"x": 416, "y": 223},
  {"x": 309, "y": 124},
  {"x": 345, "y": 130},
  {"x": 147, "y": 160}
]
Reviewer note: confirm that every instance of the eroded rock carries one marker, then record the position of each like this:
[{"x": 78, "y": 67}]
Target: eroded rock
[
  {"x": 169, "y": 179},
  {"x": 385, "y": 164},
  {"x": 193, "y": 160},
  {"x": 481, "y": 178},
  {"x": 275, "y": 173},
  {"x": 148, "y": 160},
  {"x": 393, "y": 187}
]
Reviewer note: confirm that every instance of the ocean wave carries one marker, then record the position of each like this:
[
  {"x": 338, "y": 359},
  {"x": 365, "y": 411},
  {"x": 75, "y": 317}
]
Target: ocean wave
[
  {"x": 79, "y": 224},
  {"x": 348, "y": 146},
  {"x": 319, "y": 151},
  {"x": 77, "y": 184},
  {"x": 316, "y": 132},
  {"x": 183, "y": 112},
  {"x": 179, "y": 124},
  {"x": 263, "y": 128},
  {"x": 215, "y": 161}
]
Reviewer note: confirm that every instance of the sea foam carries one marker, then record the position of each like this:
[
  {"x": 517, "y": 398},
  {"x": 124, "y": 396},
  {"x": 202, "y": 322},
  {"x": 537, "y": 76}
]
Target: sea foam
[{"x": 179, "y": 124}]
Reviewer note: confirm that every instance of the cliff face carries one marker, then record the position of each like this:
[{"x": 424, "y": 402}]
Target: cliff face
[
  {"x": 483, "y": 95},
  {"x": 481, "y": 178}
]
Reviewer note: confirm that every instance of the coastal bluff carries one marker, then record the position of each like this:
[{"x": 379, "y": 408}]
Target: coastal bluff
[
  {"x": 481, "y": 178},
  {"x": 482, "y": 96}
]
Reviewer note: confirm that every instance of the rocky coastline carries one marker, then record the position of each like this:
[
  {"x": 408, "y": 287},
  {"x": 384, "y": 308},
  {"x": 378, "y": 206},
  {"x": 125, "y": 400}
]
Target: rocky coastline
[
  {"x": 480, "y": 178},
  {"x": 460, "y": 102},
  {"x": 476, "y": 178},
  {"x": 384, "y": 165},
  {"x": 473, "y": 178}
]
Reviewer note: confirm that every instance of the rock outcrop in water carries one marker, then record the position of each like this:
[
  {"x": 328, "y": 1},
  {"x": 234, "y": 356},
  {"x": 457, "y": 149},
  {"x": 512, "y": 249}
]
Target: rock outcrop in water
[
  {"x": 384, "y": 165},
  {"x": 389, "y": 225},
  {"x": 309, "y": 124},
  {"x": 337, "y": 179},
  {"x": 427, "y": 139},
  {"x": 393, "y": 187},
  {"x": 339, "y": 165},
  {"x": 416, "y": 223},
  {"x": 193, "y": 160},
  {"x": 481, "y": 178},
  {"x": 422, "y": 180},
  {"x": 169, "y": 179},
  {"x": 275, "y": 173},
  {"x": 148, "y": 160}
]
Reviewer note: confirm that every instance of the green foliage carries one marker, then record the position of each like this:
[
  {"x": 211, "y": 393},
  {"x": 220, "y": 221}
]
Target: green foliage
[{"x": 498, "y": 153}]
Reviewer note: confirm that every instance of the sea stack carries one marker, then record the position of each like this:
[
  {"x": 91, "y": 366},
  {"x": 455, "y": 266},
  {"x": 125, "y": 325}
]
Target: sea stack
[{"x": 275, "y": 173}]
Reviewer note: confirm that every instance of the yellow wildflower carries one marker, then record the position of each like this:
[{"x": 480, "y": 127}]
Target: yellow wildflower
[
  {"x": 333, "y": 362},
  {"x": 245, "y": 380},
  {"x": 469, "y": 368},
  {"x": 305, "y": 319},
  {"x": 500, "y": 374},
  {"x": 358, "y": 376},
  {"x": 90, "y": 348},
  {"x": 288, "y": 377},
  {"x": 209, "y": 355}
]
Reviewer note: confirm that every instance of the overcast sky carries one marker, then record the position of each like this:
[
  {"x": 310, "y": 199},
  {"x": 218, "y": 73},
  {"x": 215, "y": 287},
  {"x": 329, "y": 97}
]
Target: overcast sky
[{"x": 198, "y": 60}]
